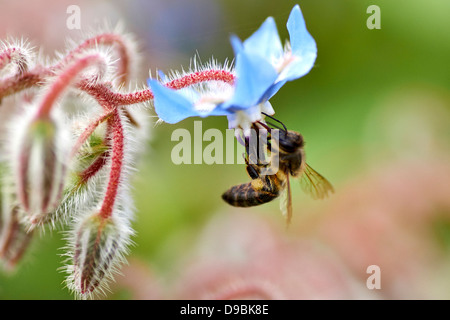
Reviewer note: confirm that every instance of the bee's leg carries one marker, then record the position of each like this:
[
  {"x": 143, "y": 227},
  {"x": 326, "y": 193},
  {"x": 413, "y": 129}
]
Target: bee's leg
[
  {"x": 258, "y": 144},
  {"x": 251, "y": 145},
  {"x": 252, "y": 170},
  {"x": 247, "y": 145}
]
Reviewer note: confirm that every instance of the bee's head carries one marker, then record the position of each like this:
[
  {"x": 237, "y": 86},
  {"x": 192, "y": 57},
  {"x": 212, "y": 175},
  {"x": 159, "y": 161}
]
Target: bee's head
[{"x": 290, "y": 140}]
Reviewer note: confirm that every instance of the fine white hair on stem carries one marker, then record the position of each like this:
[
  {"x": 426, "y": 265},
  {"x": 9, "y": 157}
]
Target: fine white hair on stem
[
  {"x": 124, "y": 48},
  {"x": 16, "y": 56},
  {"x": 112, "y": 247},
  {"x": 74, "y": 106},
  {"x": 91, "y": 266},
  {"x": 50, "y": 156},
  {"x": 196, "y": 65}
]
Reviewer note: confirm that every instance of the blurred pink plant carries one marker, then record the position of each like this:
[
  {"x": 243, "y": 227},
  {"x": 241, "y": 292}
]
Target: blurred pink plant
[
  {"x": 69, "y": 148},
  {"x": 385, "y": 218},
  {"x": 65, "y": 167}
]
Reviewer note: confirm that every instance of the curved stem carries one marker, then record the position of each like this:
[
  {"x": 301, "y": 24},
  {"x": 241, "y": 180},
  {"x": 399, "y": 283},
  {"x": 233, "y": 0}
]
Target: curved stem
[
  {"x": 64, "y": 80},
  {"x": 104, "y": 39},
  {"x": 88, "y": 131},
  {"x": 17, "y": 83},
  {"x": 14, "y": 55},
  {"x": 95, "y": 167},
  {"x": 117, "y": 155},
  {"x": 201, "y": 76},
  {"x": 102, "y": 92},
  {"x": 100, "y": 162}
]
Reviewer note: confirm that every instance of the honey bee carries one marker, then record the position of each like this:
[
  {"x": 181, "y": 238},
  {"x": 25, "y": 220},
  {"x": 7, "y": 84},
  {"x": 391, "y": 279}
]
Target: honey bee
[{"x": 267, "y": 187}]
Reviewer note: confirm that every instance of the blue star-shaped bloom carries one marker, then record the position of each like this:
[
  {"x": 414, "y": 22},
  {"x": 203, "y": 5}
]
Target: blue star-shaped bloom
[
  {"x": 253, "y": 76},
  {"x": 262, "y": 68},
  {"x": 291, "y": 62}
]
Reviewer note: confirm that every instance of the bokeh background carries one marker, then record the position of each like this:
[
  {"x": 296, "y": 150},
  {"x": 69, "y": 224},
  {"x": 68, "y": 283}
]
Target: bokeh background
[{"x": 375, "y": 114}]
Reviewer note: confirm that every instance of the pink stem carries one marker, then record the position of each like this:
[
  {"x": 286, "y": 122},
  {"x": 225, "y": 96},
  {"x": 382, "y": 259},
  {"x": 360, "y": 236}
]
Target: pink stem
[
  {"x": 101, "y": 92},
  {"x": 95, "y": 167},
  {"x": 117, "y": 155},
  {"x": 102, "y": 159},
  {"x": 201, "y": 76},
  {"x": 7, "y": 56},
  {"x": 17, "y": 83},
  {"x": 88, "y": 131},
  {"x": 64, "y": 80},
  {"x": 99, "y": 163},
  {"x": 104, "y": 39}
]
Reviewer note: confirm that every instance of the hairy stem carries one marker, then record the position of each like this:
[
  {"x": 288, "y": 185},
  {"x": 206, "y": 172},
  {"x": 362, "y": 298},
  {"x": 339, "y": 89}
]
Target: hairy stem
[
  {"x": 201, "y": 76},
  {"x": 88, "y": 131},
  {"x": 102, "y": 92},
  {"x": 104, "y": 39},
  {"x": 64, "y": 80},
  {"x": 17, "y": 83},
  {"x": 14, "y": 55},
  {"x": 117, "y": 155}
]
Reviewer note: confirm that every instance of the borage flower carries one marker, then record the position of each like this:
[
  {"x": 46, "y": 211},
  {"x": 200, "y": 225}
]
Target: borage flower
[
  {"x": 291, "y": 62},
  {"x": 262, "y": 67}
]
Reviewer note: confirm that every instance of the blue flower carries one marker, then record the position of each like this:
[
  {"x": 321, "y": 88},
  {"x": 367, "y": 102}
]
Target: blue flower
[
  {"x": 291, "y": 62},
  {"x": 262, "y": 67},
  {"x": 213, "y": 98}
]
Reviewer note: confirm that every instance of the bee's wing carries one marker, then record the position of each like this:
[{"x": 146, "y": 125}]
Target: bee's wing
[
  {"x": 286, "y": 201},
  {"x": 314, "y": 184}
]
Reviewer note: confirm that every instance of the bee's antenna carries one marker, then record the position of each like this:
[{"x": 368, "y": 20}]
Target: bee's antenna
[
  {"x": 285, "y": 129},
  {"x": 274, "y": 125},
  {"x": 265, "y": 126}
]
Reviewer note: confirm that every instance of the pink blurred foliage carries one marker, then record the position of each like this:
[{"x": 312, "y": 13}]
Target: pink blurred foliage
[
  {"x": 385, "y": 218},
  {"x": 388, "y": 218},
  {"x": 241, "y": 255},
  {"x": 19, "y": 19}
]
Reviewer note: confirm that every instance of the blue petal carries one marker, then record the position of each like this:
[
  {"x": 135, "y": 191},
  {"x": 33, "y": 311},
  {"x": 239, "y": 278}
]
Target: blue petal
[
  {"x": 254, "y": 76},
  {"x": 298, "y": 68},
  {"x": 162, "y": 75},
  {"x": 273, "y": 90},
  {"x": 236, "y": 43},
  {"x": 265, "y": 41},
  {"x": 170, "y": 106},
  {"x": 302, "y": 44},
  {"x": 217, "y": 111}
]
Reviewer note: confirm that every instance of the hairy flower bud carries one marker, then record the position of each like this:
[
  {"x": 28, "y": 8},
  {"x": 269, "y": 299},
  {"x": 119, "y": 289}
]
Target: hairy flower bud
[
  {"x": 98, "y": 246},
  {"x": 85, "y": 178},
  {"x": 40, "y": 167},
  {"x": 14, "y": 236},
  {"x": 15, "y": 53}
]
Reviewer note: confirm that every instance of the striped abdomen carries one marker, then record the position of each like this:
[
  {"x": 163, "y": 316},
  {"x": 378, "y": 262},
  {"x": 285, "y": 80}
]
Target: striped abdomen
[{"x": 251, "y": 194}]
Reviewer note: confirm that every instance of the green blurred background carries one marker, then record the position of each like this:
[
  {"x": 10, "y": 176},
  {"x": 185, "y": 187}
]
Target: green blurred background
[{"x": 373, "y": 97}]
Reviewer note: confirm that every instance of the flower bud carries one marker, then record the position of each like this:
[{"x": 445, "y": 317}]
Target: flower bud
[
  {"x": 15, "y": 53},
  {"x": 40, "y": 168},
  {"x": 85, "y": 179},
  {"x": 98, "y": 245},
  {"x": 14, "y": 236}
]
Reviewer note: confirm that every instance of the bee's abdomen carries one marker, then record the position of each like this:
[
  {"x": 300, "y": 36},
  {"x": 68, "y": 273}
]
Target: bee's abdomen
[{"x": 244, "y": 195}]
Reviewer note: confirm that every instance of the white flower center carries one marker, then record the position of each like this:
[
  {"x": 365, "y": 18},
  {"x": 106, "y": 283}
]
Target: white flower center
[
  {"x": 211, "y": 94},
  {"x": 245, "y": 118},
  {"x": 282, "y": 63}
]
